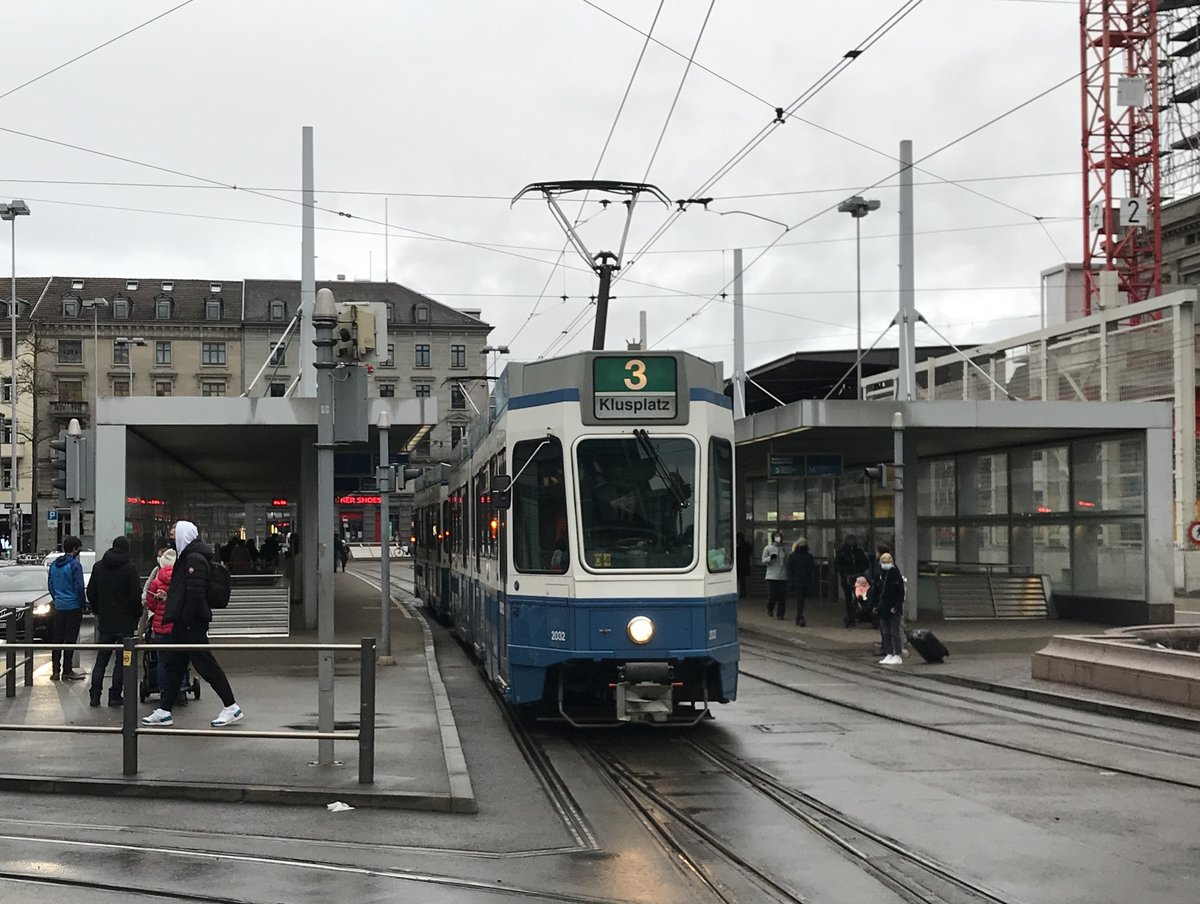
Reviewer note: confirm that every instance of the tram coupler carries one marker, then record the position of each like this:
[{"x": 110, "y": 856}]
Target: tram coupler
[{"x": 644, "y": 691}]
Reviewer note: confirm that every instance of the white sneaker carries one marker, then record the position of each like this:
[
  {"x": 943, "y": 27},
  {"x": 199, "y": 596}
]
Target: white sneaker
[
  {"x": 159, "y": 717},
  {"x": 886, "y": 660},
  {"x": 891, "y": 659},
  {"x": 897, "y": 659},
  {"x": 227, "y": 716}
]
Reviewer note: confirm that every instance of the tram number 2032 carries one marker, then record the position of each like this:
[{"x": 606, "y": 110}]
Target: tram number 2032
[{"x": 559, "y": 636}]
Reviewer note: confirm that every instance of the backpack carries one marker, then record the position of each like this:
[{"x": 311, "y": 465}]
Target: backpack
[{"x": 219, "y": 585}]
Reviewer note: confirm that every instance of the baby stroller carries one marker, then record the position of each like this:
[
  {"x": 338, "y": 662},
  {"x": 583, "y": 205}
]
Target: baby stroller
[{"x": 149, "y": 683}]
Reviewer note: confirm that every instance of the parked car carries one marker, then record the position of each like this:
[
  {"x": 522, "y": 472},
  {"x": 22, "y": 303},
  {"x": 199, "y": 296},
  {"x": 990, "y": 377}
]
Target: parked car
[
  {"x": 87, "y": 558},
  {"x": 25, "y": 585}
]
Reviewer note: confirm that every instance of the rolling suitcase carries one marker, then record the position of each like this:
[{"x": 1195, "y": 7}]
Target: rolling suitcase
[{"x": 926, "y": 643}]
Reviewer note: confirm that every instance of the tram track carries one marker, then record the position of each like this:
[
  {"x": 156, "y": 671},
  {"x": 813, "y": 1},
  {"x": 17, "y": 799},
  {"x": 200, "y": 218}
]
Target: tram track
[{"x": 951, "y": 731}]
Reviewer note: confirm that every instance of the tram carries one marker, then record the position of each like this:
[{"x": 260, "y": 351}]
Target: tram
[{"x": 581, "y": 541}]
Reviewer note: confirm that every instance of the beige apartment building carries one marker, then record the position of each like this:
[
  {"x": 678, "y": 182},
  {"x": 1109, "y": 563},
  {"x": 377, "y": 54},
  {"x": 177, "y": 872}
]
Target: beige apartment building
[{"x": 93, "y": 337}]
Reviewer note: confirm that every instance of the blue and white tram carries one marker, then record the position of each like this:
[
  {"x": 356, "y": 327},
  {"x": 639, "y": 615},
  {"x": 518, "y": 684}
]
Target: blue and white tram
[{"x": 582, "y": 541}]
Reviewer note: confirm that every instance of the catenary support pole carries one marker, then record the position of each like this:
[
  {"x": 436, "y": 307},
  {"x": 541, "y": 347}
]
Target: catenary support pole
[
  {"x": 606, "y": 271},
  {"x": 14, "y": 519},
  {"x": 308, "y": 269},
  {"x": 907, "y": 323},
  {"x": 739, "y": 339},
  {"x": 385, "y": 543},
  {"x": 324, "y": 319}
]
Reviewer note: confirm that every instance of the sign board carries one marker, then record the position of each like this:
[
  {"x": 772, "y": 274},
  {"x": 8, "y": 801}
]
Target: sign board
[
  {"x": 1194, "y": 532},
  {"x": 52, "y": 516},
  {"x": 1135, "y": 212},
  {"x": 815, "y": 465},
  {"x": 642, "y": 388}
]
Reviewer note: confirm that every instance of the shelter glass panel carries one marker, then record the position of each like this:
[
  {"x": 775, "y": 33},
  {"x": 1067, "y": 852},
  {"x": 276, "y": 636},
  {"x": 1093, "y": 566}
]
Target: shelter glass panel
[
  {"x": 983, "y": 484},
  {"x": 819, "y": 499},
  {"x": 1046, "y": 549},
  {"x": 791, "y": 498},
  {"x": 853, "y": 498},
  {"x": 935, "y": 492},
  {"x": 1109, "y": 559},
  {"x": 765, "y": 500},
  {"x": 936, "y": 543},
  {"x": 1040, "y": 480},
  {"x": 1110, "y": 475},
  {"x": 983, "y": 543}
]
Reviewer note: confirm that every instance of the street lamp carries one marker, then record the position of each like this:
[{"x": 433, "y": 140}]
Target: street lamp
[
  {"x": 10, "y": 212},
  {"x": 95, "y": 304},
  {"x": 127, "y": 341},
  {"x": 858, "y": 208},
  {"x": 498, "y": 349}
]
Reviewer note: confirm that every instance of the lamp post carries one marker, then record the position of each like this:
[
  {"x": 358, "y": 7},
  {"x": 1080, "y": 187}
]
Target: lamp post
[
  {"x": 498, "y": 349},
  {"x": 384, "y": 475},
  {"x": 127, "y": 342},
  {"x": 858, "y": 207},
  {"x": 10, "y": 212},
  {"x": 95, "y": 304}
]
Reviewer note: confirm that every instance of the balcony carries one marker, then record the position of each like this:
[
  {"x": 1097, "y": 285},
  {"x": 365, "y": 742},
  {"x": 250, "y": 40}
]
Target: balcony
[{"x": 69, "y": 409}]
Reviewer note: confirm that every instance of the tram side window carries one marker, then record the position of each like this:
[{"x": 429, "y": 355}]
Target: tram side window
[
  {"x": 720, "y": 506},
  {"x": 539, "y": 511},
  {"x": 480, "y": 514},
  {"x": 447, "y": 526}
]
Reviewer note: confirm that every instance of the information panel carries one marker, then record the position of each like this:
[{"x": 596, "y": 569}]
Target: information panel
[{"x": 642, "y": 388}]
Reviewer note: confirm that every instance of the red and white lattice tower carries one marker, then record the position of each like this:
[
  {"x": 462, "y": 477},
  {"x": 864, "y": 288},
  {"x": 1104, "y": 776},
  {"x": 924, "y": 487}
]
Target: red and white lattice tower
[{"x": 1121, "y": 188}]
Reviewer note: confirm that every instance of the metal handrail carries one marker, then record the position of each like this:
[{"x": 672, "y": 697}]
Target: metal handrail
[
  {"x": 940, "y": 568},
  {"x": 11, "y": 647},
  {"x": 131, "y": 728}
]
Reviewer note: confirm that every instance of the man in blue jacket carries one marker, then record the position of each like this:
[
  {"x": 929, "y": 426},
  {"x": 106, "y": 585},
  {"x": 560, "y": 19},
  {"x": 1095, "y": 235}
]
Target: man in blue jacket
[{"x": 65, "y": 583}]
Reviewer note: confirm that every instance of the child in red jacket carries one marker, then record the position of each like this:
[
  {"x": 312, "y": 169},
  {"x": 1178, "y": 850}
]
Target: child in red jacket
[{"x": 156, "y": 603}]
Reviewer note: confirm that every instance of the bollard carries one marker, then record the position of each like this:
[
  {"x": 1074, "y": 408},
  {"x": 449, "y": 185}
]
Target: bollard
[
  {"x": 366, "y": 713},
  {"x": 129, "y": 713},
  {"x": 10, "y": 654}
]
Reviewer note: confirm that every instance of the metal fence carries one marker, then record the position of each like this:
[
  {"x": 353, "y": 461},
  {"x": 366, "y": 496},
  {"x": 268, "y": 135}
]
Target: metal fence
[{"x": 131, "y": 728}]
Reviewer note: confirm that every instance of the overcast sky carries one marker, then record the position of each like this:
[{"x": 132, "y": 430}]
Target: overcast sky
[{"x": 481, "y": 97}]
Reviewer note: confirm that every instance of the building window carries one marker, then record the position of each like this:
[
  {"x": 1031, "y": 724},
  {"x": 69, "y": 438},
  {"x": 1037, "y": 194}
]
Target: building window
[
  {"x": 70, "y": 351},
  {"x": 276, "y": 310},
  {"x": 162, "y": 352},
  {"x": 120, "y": 309},
  {"x": 120, "y": 353},
  {"x": 211, "y": 390},
  {"x": 387, "y": 390},
  {"x": 121, "y": 388},
  {"x": 212, "y": 309},
  {"x": 70, "y": 307},
  {"x": 456, "y": 435},
  {"x": 5, "y": 347},
  {"x": 457, "y": 399},
  {"x": 276, "y": 390},
  {"x": 458, "y": 356},
  {"x": 6, "y": 474},
  {"x": 70, "y": 390},
  {"x": 422, "y": 390},
  {"x": 6, "y": 431},
  {"x": 162, "y": 388},
  {"x": 421, "y": 313},
  {"x": 391, "y": 311},
  {"x": 6, "y": 390},
  {"x": 212, "y": 353},
  {"x": 278, "y": 355},
  {"x": 422, "y": 355},
  {"x": 162, "y": 309},
  {"x": 390, "y": 360}
]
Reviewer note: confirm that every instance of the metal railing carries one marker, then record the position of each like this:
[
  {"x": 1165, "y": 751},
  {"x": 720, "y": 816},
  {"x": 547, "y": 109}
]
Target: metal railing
[
  {"x": 10, "y": 648},
  {"x": 131, "y": 727},
  {"x": 940, "y": 568}
]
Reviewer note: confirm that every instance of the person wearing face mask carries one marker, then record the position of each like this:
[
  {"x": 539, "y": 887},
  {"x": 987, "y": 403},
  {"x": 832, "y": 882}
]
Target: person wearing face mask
[
  {"x": 774, "y": 556},
  {"x": 888, "y": 592}
]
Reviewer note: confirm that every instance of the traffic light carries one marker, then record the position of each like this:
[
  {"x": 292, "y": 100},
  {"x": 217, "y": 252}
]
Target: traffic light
[
  {"x": 67, "y": 455},
  {"x": 887, "y": 476},
  {"x": 355, "y": 332}
]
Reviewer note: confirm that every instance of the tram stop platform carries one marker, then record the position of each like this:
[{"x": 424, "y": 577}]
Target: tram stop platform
[
  {"x": 418, "y": 761},
  {"x": 987, "y": 654}
]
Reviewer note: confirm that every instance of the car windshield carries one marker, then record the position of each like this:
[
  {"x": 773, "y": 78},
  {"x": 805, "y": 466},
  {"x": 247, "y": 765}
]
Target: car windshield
[
  {"x": 87, "y": 559},
  {"x": 636, "y": 502},
  {"x": 13, "y": 580}
]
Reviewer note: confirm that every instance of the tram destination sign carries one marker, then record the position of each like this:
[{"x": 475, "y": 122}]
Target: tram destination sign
[{"x": 635, "y": 388}]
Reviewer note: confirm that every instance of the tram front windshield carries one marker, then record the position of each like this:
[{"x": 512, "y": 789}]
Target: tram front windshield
[{"x": 637, "y": 508}]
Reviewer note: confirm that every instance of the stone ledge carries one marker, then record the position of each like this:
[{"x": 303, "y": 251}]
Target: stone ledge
[{"x": 1114, "y": 663}]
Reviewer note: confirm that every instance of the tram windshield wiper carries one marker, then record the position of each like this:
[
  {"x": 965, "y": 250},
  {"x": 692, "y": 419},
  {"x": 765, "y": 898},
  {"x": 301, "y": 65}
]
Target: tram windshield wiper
[{"x": 674, "y": 482}]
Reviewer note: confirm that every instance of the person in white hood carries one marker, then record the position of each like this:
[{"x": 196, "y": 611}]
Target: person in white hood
[
  {"x": 188, "y": 614},
  {"x": 774, "y": 556}
]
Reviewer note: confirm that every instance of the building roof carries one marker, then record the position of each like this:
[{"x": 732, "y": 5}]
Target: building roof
[
  {"x": 403, "y": 300},
  {"x": 189, "y": 297}
]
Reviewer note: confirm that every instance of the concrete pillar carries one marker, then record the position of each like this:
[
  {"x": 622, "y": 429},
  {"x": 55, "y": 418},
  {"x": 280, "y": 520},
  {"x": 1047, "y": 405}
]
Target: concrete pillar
[
  {"x": 110, "y": 492},
  {"x": 305, "y": 570},
  {"x": 1160, "y": 570},
  {"x": 1183, "y": 341}
]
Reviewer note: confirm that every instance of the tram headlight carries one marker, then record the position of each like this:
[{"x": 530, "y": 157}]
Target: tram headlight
[{"x": 640, "y": 629}]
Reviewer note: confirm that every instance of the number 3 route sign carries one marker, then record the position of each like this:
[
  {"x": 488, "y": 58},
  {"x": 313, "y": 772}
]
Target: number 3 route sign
[{"x": 1194, "y": 532}]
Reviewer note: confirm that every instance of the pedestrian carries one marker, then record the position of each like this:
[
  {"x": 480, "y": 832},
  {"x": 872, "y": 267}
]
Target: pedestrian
[
  {"x": 849, "y": 563},
  {"x": 156, "y": 605},
  {"x": 344, "y": 554},
  {"x": 743, "y": 553},
  {"x": 188, "y": 613},
  {"x": 774, "y": 556},
  {"x": 801, "y": 567},
  {"x": 115, "y": 595},
  {"x": 65, "y": 583},
  {"x": 239, "y": 560},
  {"x": 337, "y": 553},
  {"x": 888, "y": 596}
]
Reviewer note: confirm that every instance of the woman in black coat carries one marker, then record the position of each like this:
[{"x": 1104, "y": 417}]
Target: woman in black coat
[
  {"x": 887, "y": 594},
  {"x": 801, "y": 567}
]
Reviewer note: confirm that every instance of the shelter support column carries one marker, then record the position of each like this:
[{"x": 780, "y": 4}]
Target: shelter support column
[
  {"x": 109, "y": 493},
  {"x": 1159, "y": 550},
  {"x": 1184, "y": 366}
]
